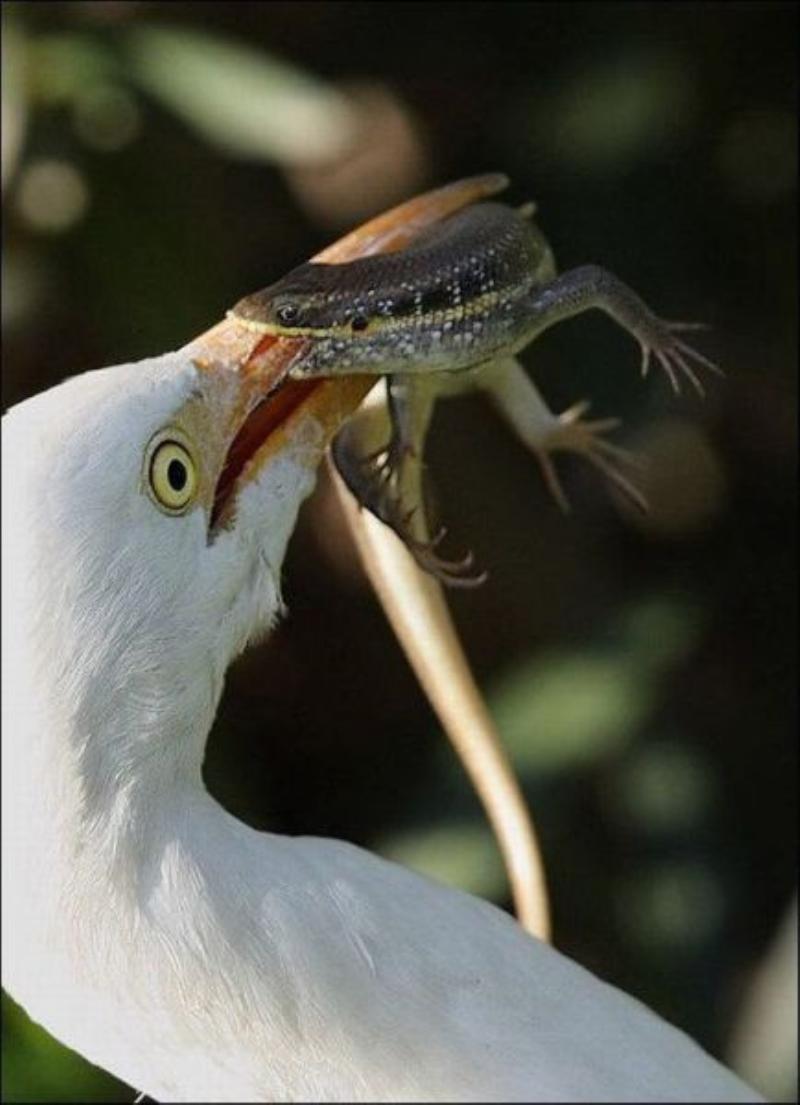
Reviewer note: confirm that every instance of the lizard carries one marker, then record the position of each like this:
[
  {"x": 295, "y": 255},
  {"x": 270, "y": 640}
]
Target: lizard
[{"x": 450, "y": 313}]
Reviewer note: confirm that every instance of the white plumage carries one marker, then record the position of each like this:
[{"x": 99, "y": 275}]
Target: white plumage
[{"x": 147, "y": 928}]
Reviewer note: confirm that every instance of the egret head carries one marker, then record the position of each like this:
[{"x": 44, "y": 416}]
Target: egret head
[{"x": 147, "y": 509}]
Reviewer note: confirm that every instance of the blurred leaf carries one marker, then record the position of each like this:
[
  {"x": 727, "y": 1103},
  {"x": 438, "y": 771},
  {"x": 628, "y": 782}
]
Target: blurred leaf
[
  {"x": 13, "y": 97},
  {"x": 246, "y": 102},
  {"x": 37, "y": 1068},
  {"x": 614, "y": 111},
  {"x": 671, "y": 908},
  {"x": 64, "y": 66},
  {"x": 462, "y": 854},
  {"x": 757, "y": 154},
  {"x": 568, "y": 709},
  {"x": 665, "y": 787},
  {"x": 25, "y": 277},
  {"x": 660, "y": 630}
]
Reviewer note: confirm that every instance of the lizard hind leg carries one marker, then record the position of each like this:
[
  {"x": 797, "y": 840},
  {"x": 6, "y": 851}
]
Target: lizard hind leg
[
  {"x": 387, "y": 481},
  {"x": 545, "y": 433}
]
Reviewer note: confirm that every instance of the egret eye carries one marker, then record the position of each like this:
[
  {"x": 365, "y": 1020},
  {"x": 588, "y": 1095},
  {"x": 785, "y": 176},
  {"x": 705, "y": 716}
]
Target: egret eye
[
  {"x": 288, "y": 314},
  {"x": 172, "y": 476}
]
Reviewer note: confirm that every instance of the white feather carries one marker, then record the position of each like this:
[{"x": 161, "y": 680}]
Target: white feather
[{"x": 167, "y": 942}]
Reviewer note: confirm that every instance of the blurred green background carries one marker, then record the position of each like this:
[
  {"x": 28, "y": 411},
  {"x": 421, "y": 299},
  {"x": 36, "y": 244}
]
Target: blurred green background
[{"x": 160, "y": 161}]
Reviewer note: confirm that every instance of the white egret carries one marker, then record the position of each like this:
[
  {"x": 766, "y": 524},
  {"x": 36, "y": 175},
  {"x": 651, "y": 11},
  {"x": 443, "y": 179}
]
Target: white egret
[{"x": 146, "y": 515}]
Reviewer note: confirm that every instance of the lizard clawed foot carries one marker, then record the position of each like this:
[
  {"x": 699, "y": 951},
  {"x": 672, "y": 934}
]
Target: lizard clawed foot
[
  {"x": 452, "y": 573},
  {"x": 672, "y": 353},
  {"x": 571, "y": 434},
  {"x": 375, "y": 479}
]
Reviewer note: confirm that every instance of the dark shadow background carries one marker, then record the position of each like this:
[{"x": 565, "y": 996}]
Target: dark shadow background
[{"x": 642, "y": 670}]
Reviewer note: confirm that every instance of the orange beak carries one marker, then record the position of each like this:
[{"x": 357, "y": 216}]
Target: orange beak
[{"x": 269, "y": 405}]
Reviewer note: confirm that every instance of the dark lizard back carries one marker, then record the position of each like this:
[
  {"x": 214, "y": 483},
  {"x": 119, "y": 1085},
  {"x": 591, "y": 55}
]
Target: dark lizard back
[{"x": 485, "y": 248}]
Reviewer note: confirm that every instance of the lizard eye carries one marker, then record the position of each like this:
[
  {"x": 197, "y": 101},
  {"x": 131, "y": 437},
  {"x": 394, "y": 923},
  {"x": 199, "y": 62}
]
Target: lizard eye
[
  {"x": 288, "y": 314},
  {"x": 359, "y": 322}
]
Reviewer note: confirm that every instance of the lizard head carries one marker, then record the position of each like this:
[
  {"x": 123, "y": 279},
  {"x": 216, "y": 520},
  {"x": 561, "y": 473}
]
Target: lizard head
[{"x": 312, "y": 301}]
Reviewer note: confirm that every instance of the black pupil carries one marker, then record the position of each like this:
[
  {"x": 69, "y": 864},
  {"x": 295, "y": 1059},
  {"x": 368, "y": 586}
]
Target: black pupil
[
  {"x": 287, "y": 315},
  {"x": 177, "y": 475},
  {"x": 359, "y": 322}
]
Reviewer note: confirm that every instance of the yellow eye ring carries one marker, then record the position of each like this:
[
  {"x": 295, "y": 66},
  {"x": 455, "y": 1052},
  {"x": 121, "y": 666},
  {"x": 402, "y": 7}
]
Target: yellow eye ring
[{"x": 171, "y": 474}]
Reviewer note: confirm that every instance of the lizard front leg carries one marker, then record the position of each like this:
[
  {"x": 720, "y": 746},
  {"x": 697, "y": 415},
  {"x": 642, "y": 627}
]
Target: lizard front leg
[
  {"x": 544, "y": 433},
  {"x": 591, "y": 286}
]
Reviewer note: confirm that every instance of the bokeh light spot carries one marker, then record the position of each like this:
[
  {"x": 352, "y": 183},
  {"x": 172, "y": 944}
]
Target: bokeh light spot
[
  {"x": 757, "y": 154},
  {"x": 106, "y": 117},
  {"x": 52, "y": 196}
]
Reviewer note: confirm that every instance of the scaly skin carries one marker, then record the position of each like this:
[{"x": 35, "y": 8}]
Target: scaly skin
[{"x": 447, "y": 314}]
